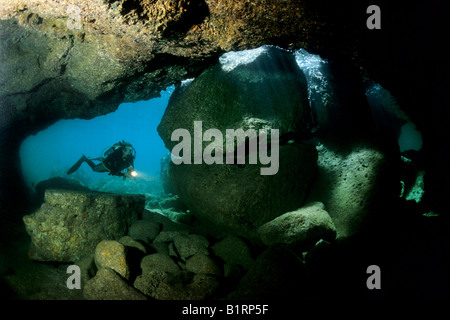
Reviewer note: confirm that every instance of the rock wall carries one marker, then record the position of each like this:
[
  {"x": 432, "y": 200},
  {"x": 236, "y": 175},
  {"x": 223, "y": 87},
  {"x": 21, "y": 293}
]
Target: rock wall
[{"x": 70, "y": 59}]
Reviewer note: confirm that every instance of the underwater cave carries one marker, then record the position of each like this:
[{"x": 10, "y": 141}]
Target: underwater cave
[{"x": 356, "y": 206}]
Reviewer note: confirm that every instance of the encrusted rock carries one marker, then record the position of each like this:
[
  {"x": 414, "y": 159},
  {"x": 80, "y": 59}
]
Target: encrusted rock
[
  {"x": 234, "y": 251},
  {"x": 127, "y": 241},
  {"x": 305, "y": 225},
  {"x": 266, "y": 92},
  {"x": 354, "y": 182},
  {"x": 70, "y": 224},
  {"x": 202, "y": 286},
  {"x": 167, "y": 236},
  {"x": 111, "y": 254},
  {"x": 108, "y": 285},
  {"x": 144, "y": 230}
]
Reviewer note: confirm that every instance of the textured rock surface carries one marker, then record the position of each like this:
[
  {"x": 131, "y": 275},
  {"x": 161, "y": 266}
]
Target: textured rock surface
[
  {"x": 305, "y": 225},
  {"x": 274, "y": 275},
  {"x": 59, "y": 61},
  {"x": 201, "y": 263},
  {"x": 70, "y": 224},
  {"x": 158, "y": 262},
  {"x": 108, "y": 285},
  {"x": 233, "y": 251},
  {"x": 189, "y": 245},
  {"x": 354, "y": 182},
  {"x": 236, "y": 199},
  {"x": 87, "y": 57},
  {"x": 267, "y": 92}
]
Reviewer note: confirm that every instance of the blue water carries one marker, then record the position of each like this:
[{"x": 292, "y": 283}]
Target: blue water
[{"x": 51, "y": 152}]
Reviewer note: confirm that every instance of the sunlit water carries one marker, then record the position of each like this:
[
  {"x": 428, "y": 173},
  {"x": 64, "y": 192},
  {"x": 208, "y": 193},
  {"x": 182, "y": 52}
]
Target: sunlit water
[{"x": 51, "y": 152}]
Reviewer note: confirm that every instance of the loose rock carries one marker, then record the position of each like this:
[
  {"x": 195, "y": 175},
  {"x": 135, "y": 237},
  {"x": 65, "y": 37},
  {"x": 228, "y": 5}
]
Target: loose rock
[
  {"x": 112, "y": 254},
  {"x": 200, "y": 263},
  {"x": 107, "y": 285},
  {"x": 234, "y": 251},
  {"x": 305, "y": 225},
  {"x": 275, "y": 273},
  {"x": 144, "y": 230},
  {"x": 127, "y": 241}
]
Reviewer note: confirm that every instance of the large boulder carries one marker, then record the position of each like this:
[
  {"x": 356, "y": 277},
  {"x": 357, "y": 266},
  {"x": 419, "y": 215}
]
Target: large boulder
[
  {"x": 112, "y": 254},
  {"x": 108, "y": 285},
  {"x": 70, "y": 224},
  {"x": 260, "y": 90},
  {"x": 357, "y": 182}
]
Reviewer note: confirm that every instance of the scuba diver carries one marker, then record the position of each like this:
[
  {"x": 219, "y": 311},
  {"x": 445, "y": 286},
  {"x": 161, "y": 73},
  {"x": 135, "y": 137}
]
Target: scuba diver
[{"x": 116, "y": 159}]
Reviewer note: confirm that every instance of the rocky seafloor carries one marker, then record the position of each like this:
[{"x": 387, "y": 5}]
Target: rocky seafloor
[{"x": 136, "y": 247}]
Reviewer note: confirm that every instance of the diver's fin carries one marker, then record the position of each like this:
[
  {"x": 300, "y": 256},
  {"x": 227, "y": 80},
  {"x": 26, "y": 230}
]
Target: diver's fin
[{"x": 76, "y": 165}]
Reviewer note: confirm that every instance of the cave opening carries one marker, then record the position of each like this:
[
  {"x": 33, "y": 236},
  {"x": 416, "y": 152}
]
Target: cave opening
[{"x": 51, "y": 152}]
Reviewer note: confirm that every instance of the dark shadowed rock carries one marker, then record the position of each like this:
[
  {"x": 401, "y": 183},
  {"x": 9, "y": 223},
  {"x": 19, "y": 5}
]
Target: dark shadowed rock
[
  {"x": 58, "y": 183},
  {"x": 158, "y": 262},
  {"x": 267, "y": 92},
  {"x": 201, "y": 263},
  {"x": 144, "y": 230}
]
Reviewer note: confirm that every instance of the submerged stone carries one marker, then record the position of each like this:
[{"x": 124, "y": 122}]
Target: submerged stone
[
  {"x": 305, "y": 225},
  {"x": 355, "y": 181},
  {"x": 70, "y": 224},
  {"x": 234, "y": 251}
]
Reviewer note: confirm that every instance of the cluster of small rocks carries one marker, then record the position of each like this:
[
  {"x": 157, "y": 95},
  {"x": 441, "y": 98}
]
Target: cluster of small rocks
[{"x": 161, "y": 260}]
